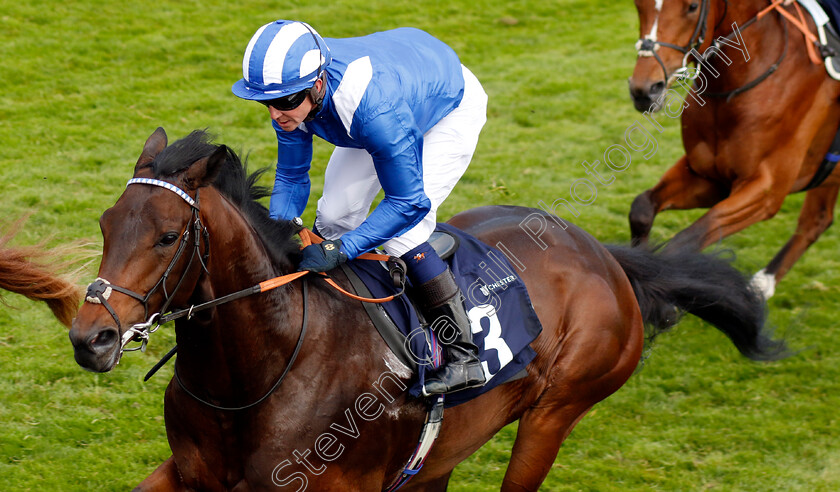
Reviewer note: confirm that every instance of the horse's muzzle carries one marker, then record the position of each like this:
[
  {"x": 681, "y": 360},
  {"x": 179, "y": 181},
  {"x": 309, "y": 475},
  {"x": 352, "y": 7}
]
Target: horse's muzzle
[
  {"x": 646, "y": 95},
  {"x": 96, "y": 349}
]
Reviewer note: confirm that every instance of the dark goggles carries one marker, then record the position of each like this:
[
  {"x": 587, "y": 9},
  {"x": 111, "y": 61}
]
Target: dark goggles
[{"x": 287, "y": 103}]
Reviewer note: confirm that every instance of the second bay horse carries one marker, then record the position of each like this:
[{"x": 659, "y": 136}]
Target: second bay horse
[{"x": 768, "y": 116}]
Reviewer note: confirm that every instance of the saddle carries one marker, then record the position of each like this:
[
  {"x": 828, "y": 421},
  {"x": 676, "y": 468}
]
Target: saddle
[
  {"x": 502, "y": 319},
  {"x": 445, "y": 245}
]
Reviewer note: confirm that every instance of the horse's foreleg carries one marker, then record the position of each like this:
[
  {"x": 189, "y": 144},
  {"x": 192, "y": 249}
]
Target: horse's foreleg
[
  {"x": 679, "y": 188},
  {"x": 816, "y": 216},
  {"x": 750, "y": 202},
  {"x": 165, "y": 478},
  {"x": 438, "y": 485}
]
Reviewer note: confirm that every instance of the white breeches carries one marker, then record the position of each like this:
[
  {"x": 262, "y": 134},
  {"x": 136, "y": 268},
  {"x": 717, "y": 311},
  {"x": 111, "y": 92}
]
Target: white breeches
[{"x": 351, "y": 184}]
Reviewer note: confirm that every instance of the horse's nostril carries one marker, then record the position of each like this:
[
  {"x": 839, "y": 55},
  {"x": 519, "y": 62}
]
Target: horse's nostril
[
  {"x": 103, "y": 340},
  {"x": 646, "y": 91},
  {"x": 656, "y": 89}
]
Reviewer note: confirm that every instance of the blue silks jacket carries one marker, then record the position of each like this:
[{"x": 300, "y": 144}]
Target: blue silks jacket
[{"x": 384, "y": 91}]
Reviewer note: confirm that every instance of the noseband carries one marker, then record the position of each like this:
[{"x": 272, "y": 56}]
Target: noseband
[{"x": 100, "y": 290}]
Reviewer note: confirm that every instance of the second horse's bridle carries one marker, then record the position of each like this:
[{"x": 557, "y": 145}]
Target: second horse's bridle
[{"x": 649, "y": 47}]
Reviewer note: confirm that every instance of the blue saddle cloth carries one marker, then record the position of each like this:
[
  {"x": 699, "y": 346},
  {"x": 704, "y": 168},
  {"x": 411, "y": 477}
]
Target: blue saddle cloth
[
  {"x": 503, "y": 320},
  {"x": 832, "y": 8}
]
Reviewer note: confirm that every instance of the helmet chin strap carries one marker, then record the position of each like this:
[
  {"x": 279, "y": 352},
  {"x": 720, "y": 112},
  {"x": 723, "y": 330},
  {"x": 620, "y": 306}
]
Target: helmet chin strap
[{"x": 317, "y": 97}]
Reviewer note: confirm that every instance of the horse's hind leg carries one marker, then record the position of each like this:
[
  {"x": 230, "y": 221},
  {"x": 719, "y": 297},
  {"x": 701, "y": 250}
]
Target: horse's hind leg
[
  {"x": 816, "y": 216},
  {"x": 538, "y": 439},
  {"x": 601, "y": 348},
  {"x": 680, "y": 189}
]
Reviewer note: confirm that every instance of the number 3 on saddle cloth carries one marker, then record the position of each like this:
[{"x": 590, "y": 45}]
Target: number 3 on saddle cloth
[{"x": 503, "y": 320}]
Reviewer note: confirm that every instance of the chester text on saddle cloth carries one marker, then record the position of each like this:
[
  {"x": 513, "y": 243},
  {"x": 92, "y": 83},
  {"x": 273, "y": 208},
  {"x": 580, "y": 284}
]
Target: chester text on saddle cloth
[{"x": 503, "y": 321}]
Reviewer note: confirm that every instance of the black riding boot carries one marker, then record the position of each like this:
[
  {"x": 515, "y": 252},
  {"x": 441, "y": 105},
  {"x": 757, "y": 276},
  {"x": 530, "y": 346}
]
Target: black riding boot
[{"x": 443, "y": 308}]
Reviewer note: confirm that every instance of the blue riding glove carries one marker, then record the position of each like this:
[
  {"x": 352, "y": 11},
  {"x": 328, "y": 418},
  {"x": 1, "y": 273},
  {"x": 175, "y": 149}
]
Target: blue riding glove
[{"x": 322, "y": 257}]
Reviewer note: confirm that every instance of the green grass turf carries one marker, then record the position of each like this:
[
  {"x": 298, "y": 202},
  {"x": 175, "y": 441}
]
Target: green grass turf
[{"x": 84, "y": 84}]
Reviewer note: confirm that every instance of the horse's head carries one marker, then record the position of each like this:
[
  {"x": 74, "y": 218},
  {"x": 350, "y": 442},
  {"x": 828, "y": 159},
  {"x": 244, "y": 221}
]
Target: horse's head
[
  {"x": 668, "y": 32},
  {"x": 153, "y": 247}
]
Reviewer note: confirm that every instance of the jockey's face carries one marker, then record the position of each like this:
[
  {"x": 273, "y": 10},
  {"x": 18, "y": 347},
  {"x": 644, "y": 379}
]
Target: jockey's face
[{"x": 290, "y": 119}]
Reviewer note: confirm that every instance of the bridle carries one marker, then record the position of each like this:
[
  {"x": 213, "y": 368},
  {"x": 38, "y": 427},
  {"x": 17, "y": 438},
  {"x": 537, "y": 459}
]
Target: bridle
[
  {"x": 649, "y": 47},
  {"x": 100, "y": 290}
]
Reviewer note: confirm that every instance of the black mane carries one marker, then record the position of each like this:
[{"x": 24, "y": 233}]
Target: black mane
[{"x": 238, "y": 186}]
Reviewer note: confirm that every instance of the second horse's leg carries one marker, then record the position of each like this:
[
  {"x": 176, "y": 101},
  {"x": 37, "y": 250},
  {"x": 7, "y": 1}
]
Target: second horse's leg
[
  {"x": 815, "y": 217},
  {"x": 679, "y": 188}
]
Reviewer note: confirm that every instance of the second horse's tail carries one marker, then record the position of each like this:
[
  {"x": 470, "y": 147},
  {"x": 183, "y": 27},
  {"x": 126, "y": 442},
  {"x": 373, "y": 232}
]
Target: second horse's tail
[{"x": 20, "y": 275}]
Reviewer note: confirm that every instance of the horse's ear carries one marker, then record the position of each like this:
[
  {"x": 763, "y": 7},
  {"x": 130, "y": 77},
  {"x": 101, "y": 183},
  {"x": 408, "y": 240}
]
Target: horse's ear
[
  {"x": 203, "y": 172},
  {"x": 154, "y": 145}
]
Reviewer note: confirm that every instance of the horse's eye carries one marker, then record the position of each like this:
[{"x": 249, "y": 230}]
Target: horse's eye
[
  {"x": 693, "y": 7},
  {"x": 168, "y": 239}
]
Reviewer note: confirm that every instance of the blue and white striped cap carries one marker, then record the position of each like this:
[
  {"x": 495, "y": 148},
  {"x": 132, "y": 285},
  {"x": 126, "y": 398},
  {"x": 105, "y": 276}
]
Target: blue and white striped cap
[{"x": 282, "y": 58}]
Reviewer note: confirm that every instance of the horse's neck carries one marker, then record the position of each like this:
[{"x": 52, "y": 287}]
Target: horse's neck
[
  {"x": 237, "y": 338},
  {"x": 750, "y": 49},
  {"x": 236, "y": 352}
]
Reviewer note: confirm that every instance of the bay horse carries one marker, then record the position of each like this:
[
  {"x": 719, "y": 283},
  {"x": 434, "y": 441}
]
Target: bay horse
[
  {"x": 312, "y": 430},
  {"x": 765, "y": 117},
  {"x": 28, "y": 271}
]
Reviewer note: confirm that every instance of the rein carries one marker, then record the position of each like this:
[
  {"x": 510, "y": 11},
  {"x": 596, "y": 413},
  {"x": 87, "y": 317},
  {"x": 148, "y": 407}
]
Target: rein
[
  {"x": 292, "y": 358},
  {"x": 749, "y": 85},
  {"x": 100, "y": 290}
]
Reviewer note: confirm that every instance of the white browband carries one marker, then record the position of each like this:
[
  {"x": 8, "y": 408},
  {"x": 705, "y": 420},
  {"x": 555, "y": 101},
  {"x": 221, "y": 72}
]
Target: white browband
[{"x": 163, "y": 184}]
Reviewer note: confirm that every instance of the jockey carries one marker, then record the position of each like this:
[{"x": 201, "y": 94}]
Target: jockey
[{"x": 404, "y": 115}]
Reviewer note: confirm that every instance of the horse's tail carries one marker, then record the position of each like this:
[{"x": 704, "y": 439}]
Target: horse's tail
[
  {"x": 21, "y": 274},
  {"x": 705, "y": 285}
]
